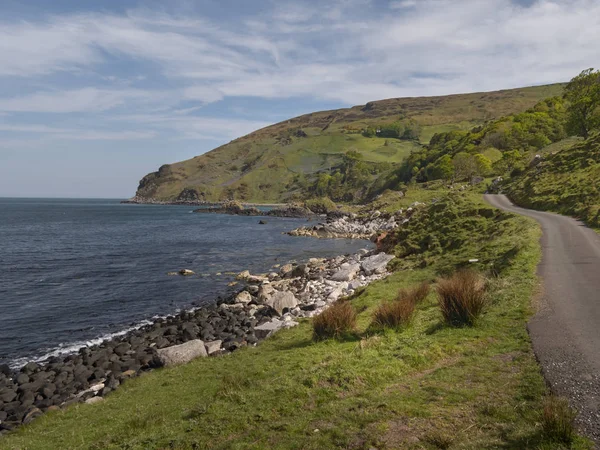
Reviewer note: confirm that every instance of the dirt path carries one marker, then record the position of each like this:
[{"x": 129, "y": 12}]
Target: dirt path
[{"x": 566, "y": 330}]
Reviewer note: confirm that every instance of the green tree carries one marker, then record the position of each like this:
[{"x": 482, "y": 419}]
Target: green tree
[
  {"x": 483, "y": 164},
  {"x": 583, "y": 94},
  {"x": 464, "y": 165}
]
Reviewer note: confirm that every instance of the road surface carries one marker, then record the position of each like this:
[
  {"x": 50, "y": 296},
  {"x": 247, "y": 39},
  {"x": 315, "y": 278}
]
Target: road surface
[{"x": 566, "y": 330}]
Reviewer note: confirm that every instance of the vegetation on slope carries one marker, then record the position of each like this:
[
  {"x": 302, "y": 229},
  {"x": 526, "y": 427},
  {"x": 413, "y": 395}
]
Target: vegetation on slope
[
  {"x": 285, "y": 161},
  {"x": 567, "y": 182},
  {"x": 425, "y": 385}
]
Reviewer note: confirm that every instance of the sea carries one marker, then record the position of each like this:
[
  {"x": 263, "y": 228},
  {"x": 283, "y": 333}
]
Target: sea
[{"x": 74, "y": 272}]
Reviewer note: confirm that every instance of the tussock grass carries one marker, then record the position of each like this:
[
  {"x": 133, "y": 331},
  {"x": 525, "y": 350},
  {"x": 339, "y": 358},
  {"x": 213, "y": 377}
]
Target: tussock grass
[
  {"x": 461, "y": 297},
  {"x": 415, "y": 295},
  {"x": 558, "y": 420},
  {"x": 336, "y": 322},
  {"x": 394, "y": 314}
]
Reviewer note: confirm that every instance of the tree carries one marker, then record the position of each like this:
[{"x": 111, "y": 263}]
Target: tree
[
  {"x": 464, "y": 165},
  {"x": 483, "y": 164},
  {"x": 583, "y": 94}
]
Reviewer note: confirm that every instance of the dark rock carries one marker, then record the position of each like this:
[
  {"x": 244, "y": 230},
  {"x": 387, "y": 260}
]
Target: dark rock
[
  {"x": 30, "y": 367},
  {"x": 22, "y": 378},
  {"x": 3, "y": 416},
  {"x": 4, "y": 369},
  {"x": 122, "y": 348},
  {"x": 7, "y": 395},
  {"x": 48, "y": 390},
  {"x": 27, "y": 398},
  {"x": 262, "y": 222}
]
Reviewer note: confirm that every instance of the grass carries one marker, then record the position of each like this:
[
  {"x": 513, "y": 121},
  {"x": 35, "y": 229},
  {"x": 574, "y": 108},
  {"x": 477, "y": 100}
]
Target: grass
[
  {"x": 558, "y": 420},
  {"x": 336, "y": 322},
  {"x": 461, "y": 298},
  {"x": 426, "y": 386}
]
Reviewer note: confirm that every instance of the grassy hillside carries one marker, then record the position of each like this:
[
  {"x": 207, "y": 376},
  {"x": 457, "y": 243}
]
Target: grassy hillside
[
  {"x": 566, "y": 181},
  {"x": 272, "y": 164},
  {"x": 425, "y": 386}
]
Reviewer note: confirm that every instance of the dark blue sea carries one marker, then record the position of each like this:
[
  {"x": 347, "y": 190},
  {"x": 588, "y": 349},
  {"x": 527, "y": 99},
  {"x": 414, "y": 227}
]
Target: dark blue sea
[{"x": 73, "y": 272}]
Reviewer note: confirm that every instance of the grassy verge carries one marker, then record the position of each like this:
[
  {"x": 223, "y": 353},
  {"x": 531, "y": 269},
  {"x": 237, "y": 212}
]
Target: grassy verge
[{"x": 424, "y": 386}]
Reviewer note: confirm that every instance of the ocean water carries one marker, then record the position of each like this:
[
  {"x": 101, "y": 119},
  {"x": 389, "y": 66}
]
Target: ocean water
[{"x": 73, "y": 272}]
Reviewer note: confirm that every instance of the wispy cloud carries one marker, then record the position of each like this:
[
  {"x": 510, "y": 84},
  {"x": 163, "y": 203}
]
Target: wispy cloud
[{"x": 176, "y": 73}]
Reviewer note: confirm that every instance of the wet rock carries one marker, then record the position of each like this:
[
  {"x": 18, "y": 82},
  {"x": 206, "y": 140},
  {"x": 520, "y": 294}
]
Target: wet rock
[{"x": 186, "y": 272}]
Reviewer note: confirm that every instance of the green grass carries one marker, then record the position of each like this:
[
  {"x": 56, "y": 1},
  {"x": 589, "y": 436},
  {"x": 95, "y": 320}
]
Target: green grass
[{"x": 426, "y": 386}]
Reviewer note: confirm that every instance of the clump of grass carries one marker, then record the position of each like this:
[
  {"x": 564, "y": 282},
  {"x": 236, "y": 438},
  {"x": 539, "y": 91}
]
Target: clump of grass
[
  {"x": 461, "y": 297},
  {"x": 558, "y": 419},
  {"x": 415, "y": 295},
  {"x": 394, "y": 314},
  {"x": 336, "y": 322}
]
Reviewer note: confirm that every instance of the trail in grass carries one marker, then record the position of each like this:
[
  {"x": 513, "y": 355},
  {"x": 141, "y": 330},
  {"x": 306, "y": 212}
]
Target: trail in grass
[{"x": 565, "y": 331}]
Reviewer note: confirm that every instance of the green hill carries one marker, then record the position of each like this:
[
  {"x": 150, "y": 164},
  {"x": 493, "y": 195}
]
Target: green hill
[
  {"x": 565, "y": 181},
  {"x": 279, "y": 162}
]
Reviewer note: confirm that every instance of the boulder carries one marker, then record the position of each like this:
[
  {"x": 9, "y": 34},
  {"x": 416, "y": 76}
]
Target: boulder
[
  {"x": 337, "y": 292},
  {"x": 346, "y": 273},
  {"x": 243, "y": 297},
  {"x": 243, "y": 275},
  {"x": 180, "y": 354},
  {"x": 93, "y": 400},
  {"x": 268, "y": 328},
  {"x": 286, "y": 269},
  {"x": 213, "y": 347},
  {"x": 376, "y": 263},
  {"x": 265, "y": 292},
  {"x": 281, "y": 301}
]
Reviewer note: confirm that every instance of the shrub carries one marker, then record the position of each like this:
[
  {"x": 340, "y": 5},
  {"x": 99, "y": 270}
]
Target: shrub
[
  {"x": 321, "y": 205},
  {"x": 558, "y": 419},
  {"x": 394, "y": 314},
  {"x": 461, "y": 297},
  {"x": 335, "y": 322},
  {"x": 415, "y": 295}
]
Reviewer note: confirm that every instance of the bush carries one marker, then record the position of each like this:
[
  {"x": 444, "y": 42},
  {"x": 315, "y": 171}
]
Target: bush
[
  {"x": 336, "y": 322},
  {"x": 461, "y": 298},
  {"x": 558, "y": 419},
  {"x": 415, "y": 295},
  {"x": 321, "y": 205},
  {"x": 394, "y": 314}
]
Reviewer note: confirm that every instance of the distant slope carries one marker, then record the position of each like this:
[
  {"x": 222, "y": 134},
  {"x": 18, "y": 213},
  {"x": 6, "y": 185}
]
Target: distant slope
[
  {"x": 264, "y": 166},
  {"x": 567, "y": 182}
]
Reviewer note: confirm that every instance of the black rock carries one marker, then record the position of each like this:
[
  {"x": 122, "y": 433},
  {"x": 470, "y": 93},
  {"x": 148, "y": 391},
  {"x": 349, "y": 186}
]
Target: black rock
[
  {"x": 22, "y": 378},
  {"x": 30, "y": 367},
  {"x": 4, "y": 369}
]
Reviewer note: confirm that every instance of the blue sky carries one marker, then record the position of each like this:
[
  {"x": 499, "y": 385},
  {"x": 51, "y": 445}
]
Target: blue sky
[{"x": 94, "y": 95}]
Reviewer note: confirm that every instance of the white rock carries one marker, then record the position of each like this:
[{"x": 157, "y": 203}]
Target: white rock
[
  {"x": 346, "y": 273},
  {"x": 93, "y": 400},
  {"x": 376, "y": 263},
  {"x": 281, "y": 301},
  {"x": 213, "y": 346},
  {"x": 181, "y": 354},
  {"x": 243, "y": 297}
]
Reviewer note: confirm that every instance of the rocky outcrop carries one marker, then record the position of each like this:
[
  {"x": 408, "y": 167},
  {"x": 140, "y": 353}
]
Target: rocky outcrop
[
  {"x": 352, "y": 226},
  {"x": 238, "y": 209}
]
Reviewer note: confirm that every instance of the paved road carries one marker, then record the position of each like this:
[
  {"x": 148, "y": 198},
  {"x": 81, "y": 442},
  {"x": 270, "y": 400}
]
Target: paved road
[{"x": 566, "y": 330}]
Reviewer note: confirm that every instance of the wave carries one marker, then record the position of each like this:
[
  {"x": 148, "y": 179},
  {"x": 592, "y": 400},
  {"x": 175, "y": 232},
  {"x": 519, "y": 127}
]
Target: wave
[{"x": 66, "y": 349}]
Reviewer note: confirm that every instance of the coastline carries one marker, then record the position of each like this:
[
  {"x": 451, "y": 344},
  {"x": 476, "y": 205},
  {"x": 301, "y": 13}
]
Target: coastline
[{"x": 266, "y": 303}]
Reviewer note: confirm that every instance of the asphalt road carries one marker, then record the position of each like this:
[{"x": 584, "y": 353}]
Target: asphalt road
[{"x": 566, "y": 329}]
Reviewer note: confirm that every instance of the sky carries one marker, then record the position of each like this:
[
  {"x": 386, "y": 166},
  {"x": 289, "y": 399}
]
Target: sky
[{"x": 95, "y": 94}]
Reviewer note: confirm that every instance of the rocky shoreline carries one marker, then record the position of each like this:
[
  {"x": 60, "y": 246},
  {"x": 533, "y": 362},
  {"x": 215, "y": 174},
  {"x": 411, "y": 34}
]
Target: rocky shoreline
[
  {"x": 267, "y": 303},
  {"x": 353, "y": 226},
  {"x": 239, "y": 209}
]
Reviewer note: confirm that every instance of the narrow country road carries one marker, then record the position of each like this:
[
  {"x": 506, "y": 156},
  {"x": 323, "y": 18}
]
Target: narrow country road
[{"x": 566, "y": 330}]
